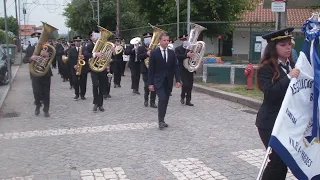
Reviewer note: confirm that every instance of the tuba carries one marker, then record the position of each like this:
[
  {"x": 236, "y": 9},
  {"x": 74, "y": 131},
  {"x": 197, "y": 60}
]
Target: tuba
[
  {"x": 197, "y": 47},
  {"x": 80, "y": 62},
  {"x": 154, "y": 41},
  {"x": 97, "y": 64},
  {"x": 41, "y": 66}
]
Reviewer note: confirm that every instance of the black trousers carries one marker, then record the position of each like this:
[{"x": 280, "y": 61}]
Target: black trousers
[
  {"x": 41, "y": 91},
  {"x": 98, "y": 85},
  {"x": 117, "y": 78},
  {"x": 163, "y": 95},
  {"x": 107, "y": 86},
  {"x": 123, "y": 67},
  {"x": 135, "y": 76},
  {"x": 146, "y": 90},
  {"x": 276, "y": 169},
  {"x": 80, "y": 84},
  {"x": 187, "y": 84}
]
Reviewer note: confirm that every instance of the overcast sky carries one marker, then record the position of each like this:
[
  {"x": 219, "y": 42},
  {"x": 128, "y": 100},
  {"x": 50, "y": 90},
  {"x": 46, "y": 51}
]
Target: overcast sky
[{"x": 36, "y": 12}]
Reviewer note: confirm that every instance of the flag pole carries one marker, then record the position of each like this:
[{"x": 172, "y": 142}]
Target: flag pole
[{"x": 264, "y": 163}]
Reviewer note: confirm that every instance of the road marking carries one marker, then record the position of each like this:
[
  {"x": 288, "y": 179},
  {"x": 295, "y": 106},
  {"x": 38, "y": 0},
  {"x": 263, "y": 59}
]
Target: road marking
[
  {"x": 81, "y": 130},
  {"x": 20, "y": 178},
  {"x": 104, "y": 174},
  {"x": 255, "y": 158},
  {"x": 191, "y": 168}
]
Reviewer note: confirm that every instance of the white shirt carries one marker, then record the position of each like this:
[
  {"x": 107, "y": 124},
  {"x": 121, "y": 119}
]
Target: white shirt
[
  {"x": 284, "y": 70},
  {"x": 162, "y": 52}
]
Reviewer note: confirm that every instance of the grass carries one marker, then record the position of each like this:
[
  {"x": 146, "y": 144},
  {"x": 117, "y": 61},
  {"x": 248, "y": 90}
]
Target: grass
[{"x": 237, "y": 89}]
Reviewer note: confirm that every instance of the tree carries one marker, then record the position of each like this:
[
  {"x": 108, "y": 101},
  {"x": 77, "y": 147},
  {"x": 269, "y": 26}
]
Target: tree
[
  {"x": 54, "y": 35},
  {"x": 80, "y": 17},
  {"x": 163, "y": 12},
  {"x": 12, "y": 25}
]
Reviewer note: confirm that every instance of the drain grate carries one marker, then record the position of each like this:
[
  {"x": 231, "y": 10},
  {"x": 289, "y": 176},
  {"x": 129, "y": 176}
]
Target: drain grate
[
  {"x": 249, "y": 111},
  {"x": 10, "y": 115}
]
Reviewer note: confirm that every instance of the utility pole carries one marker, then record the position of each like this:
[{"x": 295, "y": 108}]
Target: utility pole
[
  {"x": 178, "y": 14},
  {"x": 7, "y": 40},
  {"x": 24, "y": 21},
  {"x": 188, "y": 17},
  {"x": 18, "y": 37},
  {"x": 118, "y": 18},
  {"x": 98, "y": 9},
  {"x": 283, "y": 17}
]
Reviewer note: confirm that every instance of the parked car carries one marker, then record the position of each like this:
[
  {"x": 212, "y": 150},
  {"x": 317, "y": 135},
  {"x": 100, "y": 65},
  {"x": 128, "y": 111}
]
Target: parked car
[{"x": 4, "y": 74}]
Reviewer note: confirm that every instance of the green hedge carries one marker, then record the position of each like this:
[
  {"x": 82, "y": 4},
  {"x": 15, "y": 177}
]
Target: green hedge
[{"x": 3, "y": 37}]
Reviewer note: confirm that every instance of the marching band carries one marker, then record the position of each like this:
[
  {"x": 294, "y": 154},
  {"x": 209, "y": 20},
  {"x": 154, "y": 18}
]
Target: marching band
[{"x": 104, "y": 61}]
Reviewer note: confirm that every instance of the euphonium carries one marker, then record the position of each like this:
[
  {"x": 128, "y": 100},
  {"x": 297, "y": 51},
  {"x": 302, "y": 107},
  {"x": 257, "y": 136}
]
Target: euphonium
[
  {"x": 154, "y": 41},
  {"x": 41, "y": 66},
  {"x": 80, "y": 62},
  {"x": 197, "y": 47},
  {"x": 103, "y": 46}
]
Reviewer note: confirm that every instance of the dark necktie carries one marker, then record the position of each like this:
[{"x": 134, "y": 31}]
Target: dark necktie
[
  {"x": 164, "y": 55},
  {"x": 286, "y": 67}
]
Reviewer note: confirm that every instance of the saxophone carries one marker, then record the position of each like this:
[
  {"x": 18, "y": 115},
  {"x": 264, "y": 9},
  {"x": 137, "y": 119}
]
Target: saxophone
[
  {"x": 197, "y": 47},
  {"x": 41, "y": 66},
  {"x": 80, "y": 62},
  {"x": 102, "y": 45},
  {"x": 154, "y": 41}
]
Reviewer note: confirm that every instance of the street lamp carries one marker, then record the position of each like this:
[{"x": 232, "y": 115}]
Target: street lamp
[{"x": 178, "y": 14}]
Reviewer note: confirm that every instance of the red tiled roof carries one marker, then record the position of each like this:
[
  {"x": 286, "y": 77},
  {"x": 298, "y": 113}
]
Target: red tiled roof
[{"x": 295, "y": 17}]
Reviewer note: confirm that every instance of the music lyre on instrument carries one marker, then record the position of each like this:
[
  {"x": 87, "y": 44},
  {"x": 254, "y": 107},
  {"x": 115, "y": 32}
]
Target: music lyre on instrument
[
  {"x": 197, "y": 47},
  {"x": 41, "y": 66},
  {"x": 103, "y": 46},
  {"x": 154, "y": 41}
]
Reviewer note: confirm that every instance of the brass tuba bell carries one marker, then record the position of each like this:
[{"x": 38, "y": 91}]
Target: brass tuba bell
[
  {"x": 154, "y": 41},
  {"x": 41, "y": 66},
  {"x": 97, "y": 64},
  {"x": 197, "y": 47}
]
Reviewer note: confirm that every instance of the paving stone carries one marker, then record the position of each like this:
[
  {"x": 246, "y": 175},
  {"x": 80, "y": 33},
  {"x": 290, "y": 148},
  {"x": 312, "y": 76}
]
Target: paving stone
[{"x": 125, "y": 135}]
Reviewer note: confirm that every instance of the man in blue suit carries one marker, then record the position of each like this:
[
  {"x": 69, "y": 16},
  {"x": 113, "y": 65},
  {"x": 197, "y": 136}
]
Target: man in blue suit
[{"x": 162, "y": 67}]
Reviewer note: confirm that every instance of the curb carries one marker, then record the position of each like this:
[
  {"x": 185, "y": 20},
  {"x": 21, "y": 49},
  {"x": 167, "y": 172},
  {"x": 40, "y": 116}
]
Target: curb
[
  {"x": 6, "y": 91},
  {"x": 246, "y": 101}
]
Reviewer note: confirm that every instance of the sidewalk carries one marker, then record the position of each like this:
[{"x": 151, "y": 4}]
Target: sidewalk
[{"x": 4, "y": 89}]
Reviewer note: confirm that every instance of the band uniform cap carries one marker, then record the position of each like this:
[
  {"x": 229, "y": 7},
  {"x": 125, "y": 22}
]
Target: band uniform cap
[
  {"x": 117, "y": 38},
  {"x": 77, "y": 38},
  {"x": 35, "y": 34},
  {"x": 145, "y": 35},
  {"x": 183, "y": 36},
  {"x": 278, "y": 35}
]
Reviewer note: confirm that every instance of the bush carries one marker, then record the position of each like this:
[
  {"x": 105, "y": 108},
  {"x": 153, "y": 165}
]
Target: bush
[{"x": 3, "y": 37}]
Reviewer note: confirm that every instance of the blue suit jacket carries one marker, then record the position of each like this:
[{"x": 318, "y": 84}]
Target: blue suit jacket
[{"x": 159, "y": 69}]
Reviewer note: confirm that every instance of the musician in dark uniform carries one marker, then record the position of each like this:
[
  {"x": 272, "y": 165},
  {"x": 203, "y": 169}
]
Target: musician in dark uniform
[
  {"x": 98, "y": 78},
  {"x": 163, "y": 67},
  {"x": 186, "y": 76},
  {"x": 41, "y": 86},
  {"x": 108, "y": 83},
  {"x": 124, "y": 63},
  {"x": 274, "y": 72},
  {"x": 68, "y": 66},
  {"x": 142, "y": 55},
  {"x": 134, "y": 65},
  {"x": 117, "y": 64},
  {"x": 59, "y": 53},
  {"x": 79, "y": 81}
]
